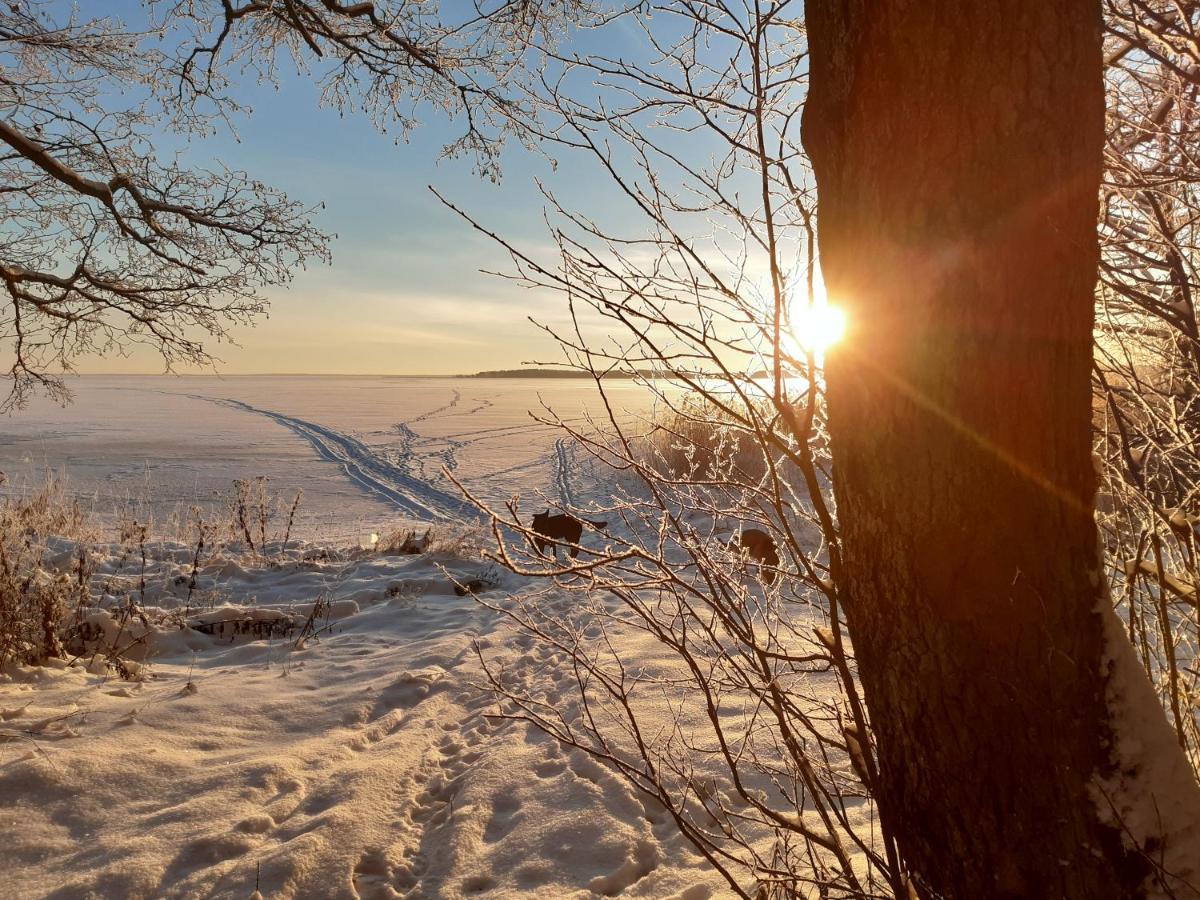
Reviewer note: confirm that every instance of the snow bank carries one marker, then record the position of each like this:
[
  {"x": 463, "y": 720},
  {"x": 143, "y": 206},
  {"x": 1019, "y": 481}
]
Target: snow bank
[{"x": 1153, "y": 797}]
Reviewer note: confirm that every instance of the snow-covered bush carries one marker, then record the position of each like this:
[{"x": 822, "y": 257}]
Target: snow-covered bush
[
  {"x": 698, "y": 438},
  {"x": 67, "y": 590},
  {"x": 42, "y": 579}
]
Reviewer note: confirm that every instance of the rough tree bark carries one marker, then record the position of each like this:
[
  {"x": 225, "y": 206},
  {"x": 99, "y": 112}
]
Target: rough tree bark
[{"x": 957, "y": 151}]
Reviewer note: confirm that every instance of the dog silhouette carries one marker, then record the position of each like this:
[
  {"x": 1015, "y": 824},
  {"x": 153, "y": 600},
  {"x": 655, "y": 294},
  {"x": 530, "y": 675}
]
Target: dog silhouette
[
  {"x": 560, "y": 527},
  {"x": 760, "y": 547}
]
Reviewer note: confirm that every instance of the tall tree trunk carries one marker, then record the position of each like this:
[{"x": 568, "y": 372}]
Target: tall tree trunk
[{"x": 957, "y": 149}]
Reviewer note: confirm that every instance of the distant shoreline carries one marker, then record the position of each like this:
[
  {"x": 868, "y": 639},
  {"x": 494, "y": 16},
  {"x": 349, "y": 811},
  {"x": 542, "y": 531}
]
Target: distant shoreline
[
  {"x": 554, "y": 373},
  {"x": 529, "y": 373},
  {"x": 497, "y": 373}
]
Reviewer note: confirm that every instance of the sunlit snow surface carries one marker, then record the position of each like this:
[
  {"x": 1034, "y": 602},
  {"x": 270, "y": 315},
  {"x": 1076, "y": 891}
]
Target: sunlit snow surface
[
  {"x": 366, "y": 762},
  {"x": 362, "y": 763},
  {"x": 368, "y": 452},
  {"x": 358, "y": 764}
]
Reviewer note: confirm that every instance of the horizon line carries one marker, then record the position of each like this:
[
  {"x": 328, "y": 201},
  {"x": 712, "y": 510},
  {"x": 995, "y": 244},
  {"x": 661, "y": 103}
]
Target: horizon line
[{"x": 259, "y": 375}]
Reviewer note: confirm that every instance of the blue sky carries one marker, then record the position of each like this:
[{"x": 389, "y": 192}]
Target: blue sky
[{"x": 404, "y": 294}]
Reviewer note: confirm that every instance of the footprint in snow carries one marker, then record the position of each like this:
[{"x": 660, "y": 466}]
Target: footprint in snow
[{"x": 506, "y": 808}]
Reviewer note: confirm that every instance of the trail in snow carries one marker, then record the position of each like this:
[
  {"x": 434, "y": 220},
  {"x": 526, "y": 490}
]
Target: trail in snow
[
  {"x": 483, "y": 402},
  {"x": 388, "y": 481},
  {"x": 434, "y": 412},
  {"x": 397, "y": 474},
  {"x": 562, "y": 471},
  {"x": 449, "y": 455},
  {"x": 519, "y": 467},
  {"x": 363, "y": 763},
  {"x": 531, "y": 427},
  {"x": 405, "y": 455}
]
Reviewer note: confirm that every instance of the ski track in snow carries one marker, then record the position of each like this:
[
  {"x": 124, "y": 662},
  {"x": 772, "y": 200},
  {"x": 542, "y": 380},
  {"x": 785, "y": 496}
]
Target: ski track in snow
[
  {"x": 397, "y": 473},
  {"x": 562, "y": 472},
  {"x": 392, "y": 482}
]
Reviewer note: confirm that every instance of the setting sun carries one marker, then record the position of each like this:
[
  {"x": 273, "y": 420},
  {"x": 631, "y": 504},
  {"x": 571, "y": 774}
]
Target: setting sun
[{"x": 818, "y": 327}]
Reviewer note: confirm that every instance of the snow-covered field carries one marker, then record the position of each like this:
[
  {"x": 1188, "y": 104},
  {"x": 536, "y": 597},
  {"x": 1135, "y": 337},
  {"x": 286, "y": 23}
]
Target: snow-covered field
[
  {"x": 361, "y": 764},
  {"x": 356, "y": 762},
  {"x": 368, "y": 452}
]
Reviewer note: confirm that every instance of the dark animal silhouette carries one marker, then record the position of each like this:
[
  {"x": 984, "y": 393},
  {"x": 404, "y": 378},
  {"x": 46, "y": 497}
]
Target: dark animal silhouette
[
  {"x": 760, "y": 547},
  {"x": 563, "y": 527}
]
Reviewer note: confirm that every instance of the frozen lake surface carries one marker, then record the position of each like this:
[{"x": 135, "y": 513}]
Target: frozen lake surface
[{"x": 368, "y": 451}]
